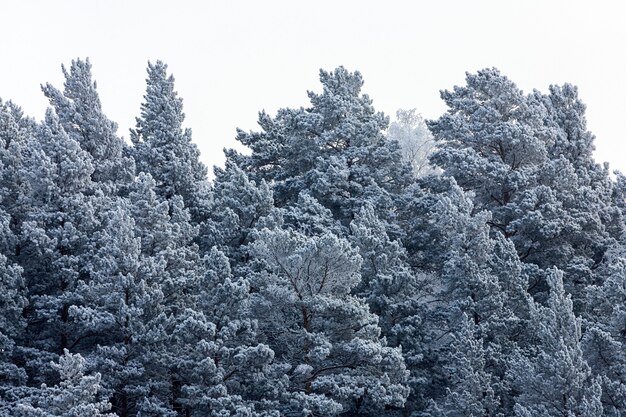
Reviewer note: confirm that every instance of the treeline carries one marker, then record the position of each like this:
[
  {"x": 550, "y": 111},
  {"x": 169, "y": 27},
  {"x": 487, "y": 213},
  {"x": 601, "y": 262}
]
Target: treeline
[{"x": 337, "y": 268}]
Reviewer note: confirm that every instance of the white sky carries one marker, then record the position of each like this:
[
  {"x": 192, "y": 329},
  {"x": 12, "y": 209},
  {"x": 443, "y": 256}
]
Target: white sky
[{"x": 234, "y": 58}]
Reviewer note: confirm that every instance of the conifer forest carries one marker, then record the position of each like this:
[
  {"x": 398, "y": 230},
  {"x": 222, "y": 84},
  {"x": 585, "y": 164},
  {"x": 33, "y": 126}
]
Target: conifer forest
[{"x": 341, "y": 263}]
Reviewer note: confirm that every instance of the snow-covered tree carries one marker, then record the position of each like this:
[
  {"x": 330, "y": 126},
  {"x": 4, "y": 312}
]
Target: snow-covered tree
[
  {"x": 80, "y": 113},
  {"x": 604, "y": 341},
  {"x": 396, "y": 293},
  {"x": 389, "y": 285},
  {"x": 15, "y": 133},
  {"x": 473, "y": 274},
  {"x": 167, "y": 237},
  {"x": 12, "y": 326},
  {"x": 527, "y": 159},
  {"x": 588, "y": 196},
  {"x": 552, "y": 377},
  {"x": 227, "y": 371},
  {"x": 468, "y": 287},
  {"x": 146, "y": 274},
  {"x": 416, "y": 142},
  {"x": 55, "y": 239},
  {"x": 12, "y": 287},
  {"x": 237, "y": 207},
  {"x": 76, "y": 395},
  {"x": 163, "y": 148},
  {"x": 120, "y": 304},
  {"x": 166, "y": 233},
  {"x": 329, "y": 342},
  {"x": 468, "y": 390},
  {"x": 335, "y": 150}
]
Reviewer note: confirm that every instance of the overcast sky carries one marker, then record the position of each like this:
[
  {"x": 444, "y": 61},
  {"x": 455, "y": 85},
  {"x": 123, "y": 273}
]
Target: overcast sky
[{"x": 234, "y": 58}]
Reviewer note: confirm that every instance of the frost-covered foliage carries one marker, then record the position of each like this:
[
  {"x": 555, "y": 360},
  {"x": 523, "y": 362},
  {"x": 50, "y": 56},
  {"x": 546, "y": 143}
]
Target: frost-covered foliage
[
  {"x": 163, "y": 148},
  {"x": 316, "y": 275},
  {"x": 416, "y": 142},
  {"x": 80, "y": 113},
  {"x": 604, "y": 342},
  {"x": 237, "y": 207},
  {"x": 76, "y": 395},
  {"x": 552, "y": 377},
  {"x": 336, "y": 150},
  {"x": 326, "y": 338},
  {"x": 12, "y": 326},
  {"x": 527, "y": 159}
]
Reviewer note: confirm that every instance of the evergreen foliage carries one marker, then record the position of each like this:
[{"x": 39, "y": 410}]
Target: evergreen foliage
[
  {"x": 76, "y": 395},
  {"x": 328, "y": 339},
  {"x": 336, "y": 150},
  {"x": 329, "y": 271},
  {"x": 80, "y": 113},
  {"x": 163, "y": 148},
  {"x": 527, "y": 159}
]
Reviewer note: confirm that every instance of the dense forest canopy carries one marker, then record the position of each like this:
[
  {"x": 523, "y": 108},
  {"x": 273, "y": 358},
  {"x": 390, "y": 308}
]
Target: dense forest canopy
[{"x": 471, "y": 265}]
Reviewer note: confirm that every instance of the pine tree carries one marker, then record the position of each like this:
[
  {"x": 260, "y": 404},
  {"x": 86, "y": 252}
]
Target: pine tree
[
  {"x": 166, "y": 233},
  {"x": 327, "y": 339},
  {"x": 238, "y": 209},
  {"x": 595, "y": 221},
  {"x": 394, "y": 292},
  {"x": 468, "y": 389},
  {"x": 527, "y": 159},
  {"x": 603, "y": 342},
  {"x": 228, "y": 372},
  {"x": 80, "y": 113},
  {"x": 12, "y": 287},
  {"x": 335, "y": 150},
  {"x": 12, "y": 326},
  {"x": 122, "y": 304},
  {"x": 552, "y": 377},
  {"x": 163, "y": 149},
  {"x": 237, "y": 206},
  {"x": 472, "y": 274},
  {"x": 387, "y": 282},
  {"x": 55, "y": 241},
  {"x": 468, "y": 287},
  {"x": 431, "y": 213},
  {"x": 15, "y": 132},
  {"x": 76, "y": 395},
  {"x": 324, "y": 164},
  {"x": 167, "y": 237}
]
